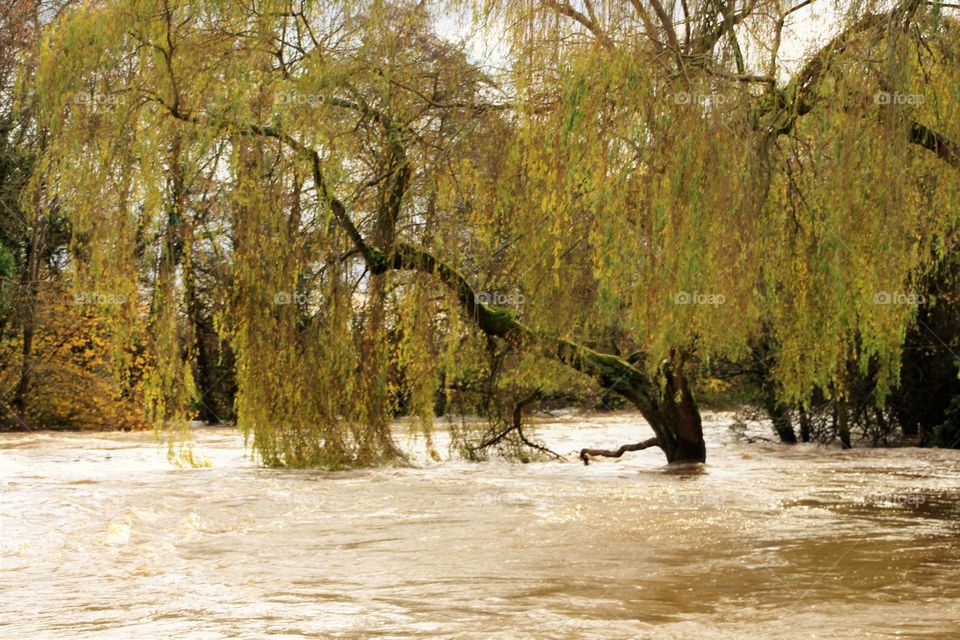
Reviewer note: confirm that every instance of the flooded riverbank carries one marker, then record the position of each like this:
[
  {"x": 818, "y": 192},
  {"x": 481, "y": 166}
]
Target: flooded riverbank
[{"x": 102, "y": 538}]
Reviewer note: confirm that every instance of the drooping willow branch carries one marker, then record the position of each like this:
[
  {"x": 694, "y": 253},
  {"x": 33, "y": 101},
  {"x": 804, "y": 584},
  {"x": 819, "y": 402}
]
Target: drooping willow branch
[
  {"x": 611, "y": 372},
  {"x": 517, "y": 426}
]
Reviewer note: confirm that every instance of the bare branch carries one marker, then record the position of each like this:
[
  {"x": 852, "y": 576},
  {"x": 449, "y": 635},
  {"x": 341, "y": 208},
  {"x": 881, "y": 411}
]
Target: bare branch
[
  {"x": 645, "y": 18},
  {"x": 667, "y": 24}
]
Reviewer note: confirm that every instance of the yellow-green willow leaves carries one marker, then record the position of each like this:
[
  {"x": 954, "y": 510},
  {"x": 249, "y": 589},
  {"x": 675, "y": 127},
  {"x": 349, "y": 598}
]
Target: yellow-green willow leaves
[{"x": 705, "y": 224}]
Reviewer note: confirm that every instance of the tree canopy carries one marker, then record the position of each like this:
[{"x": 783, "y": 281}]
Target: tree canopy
[{"x": 626, "y": 189}]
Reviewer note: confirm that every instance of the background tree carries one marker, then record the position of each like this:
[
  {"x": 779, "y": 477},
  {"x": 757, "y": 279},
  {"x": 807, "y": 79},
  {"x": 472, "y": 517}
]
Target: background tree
[{"x": 56, "y": 364}]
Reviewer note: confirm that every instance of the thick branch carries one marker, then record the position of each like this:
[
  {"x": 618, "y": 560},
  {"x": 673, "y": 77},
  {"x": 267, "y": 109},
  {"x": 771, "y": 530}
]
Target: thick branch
[
  {"x": 667, "y": 25},
  {"x": 704, "y": 44},
  {"x": 588, "y": 22},
  {"x": 645, "y": 18},
  {"x": 945, "y": 149},
  {"x": 339, "y": 211},
  {"x": 800, "y": 96},
  {"x": 475, "y": 107},
  {"x": 611, "y": 372}
]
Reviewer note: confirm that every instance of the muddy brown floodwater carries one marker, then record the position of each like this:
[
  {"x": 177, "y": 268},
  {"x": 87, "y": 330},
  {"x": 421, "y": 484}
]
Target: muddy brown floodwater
[{"x": 101, "y": 538}]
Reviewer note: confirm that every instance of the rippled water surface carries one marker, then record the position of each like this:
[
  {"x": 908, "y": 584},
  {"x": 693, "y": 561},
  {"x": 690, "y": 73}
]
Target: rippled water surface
[{"x": 101, "y": 538}]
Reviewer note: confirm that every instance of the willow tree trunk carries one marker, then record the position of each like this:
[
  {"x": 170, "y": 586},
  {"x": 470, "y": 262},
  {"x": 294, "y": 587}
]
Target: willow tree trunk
[
  {"x": 30, "y": 289},
  {"x": 779, "y": 413},
  {"x": 204, "y": 373},
  {"x": 679, "y": 428}
]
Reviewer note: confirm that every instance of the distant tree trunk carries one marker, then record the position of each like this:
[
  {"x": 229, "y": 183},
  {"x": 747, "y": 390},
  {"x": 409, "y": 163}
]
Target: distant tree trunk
[
  {"x": 764, "y": 352},
  {"x": 910, "y": 428},
  {"x": 883, "y": 429},
  {"x": 204, "y": 373},
  {"x": 779, "y": 414},
  {"x": 440, "y": 397},
  {"x": 923, "y": 439},
  {"x": 23, "y": 384},
  {"x": 843, "y": 424},
  {"x": 782, "y": 424},
  {"x": 805, "y": 426},
  {"x": 29, "y": 282}
]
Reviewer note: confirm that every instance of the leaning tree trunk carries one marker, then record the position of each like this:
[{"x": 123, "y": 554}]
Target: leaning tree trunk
[
  {"x": 679, "y": 428},
  {"x": 779, "y": 414}
]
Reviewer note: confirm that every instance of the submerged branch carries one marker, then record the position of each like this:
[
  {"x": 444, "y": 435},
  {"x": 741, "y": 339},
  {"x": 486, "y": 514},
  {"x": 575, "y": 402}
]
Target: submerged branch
[{"x": 608, "y": 453}]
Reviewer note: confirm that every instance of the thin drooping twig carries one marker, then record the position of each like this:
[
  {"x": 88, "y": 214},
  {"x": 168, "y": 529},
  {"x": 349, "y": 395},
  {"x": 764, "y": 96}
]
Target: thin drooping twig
[
  {"x": 517, "y": 415},
  {"x": 523, "y": 437},
  {"x": 517, "y": 426},
  {"x": 608, "y": 453},
  {"x": 538, "y": 447}
]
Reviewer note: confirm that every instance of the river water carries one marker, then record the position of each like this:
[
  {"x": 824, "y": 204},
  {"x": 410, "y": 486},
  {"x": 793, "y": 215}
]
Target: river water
[{"x": 100, "y": 537}]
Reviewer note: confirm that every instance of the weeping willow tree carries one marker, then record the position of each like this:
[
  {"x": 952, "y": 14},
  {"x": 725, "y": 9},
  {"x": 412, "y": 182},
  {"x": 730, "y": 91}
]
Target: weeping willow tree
[
  {"x": 653, "y": 193},
  {"x": 720, "y": 192},
  {"x": 339, "y": 136}
]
